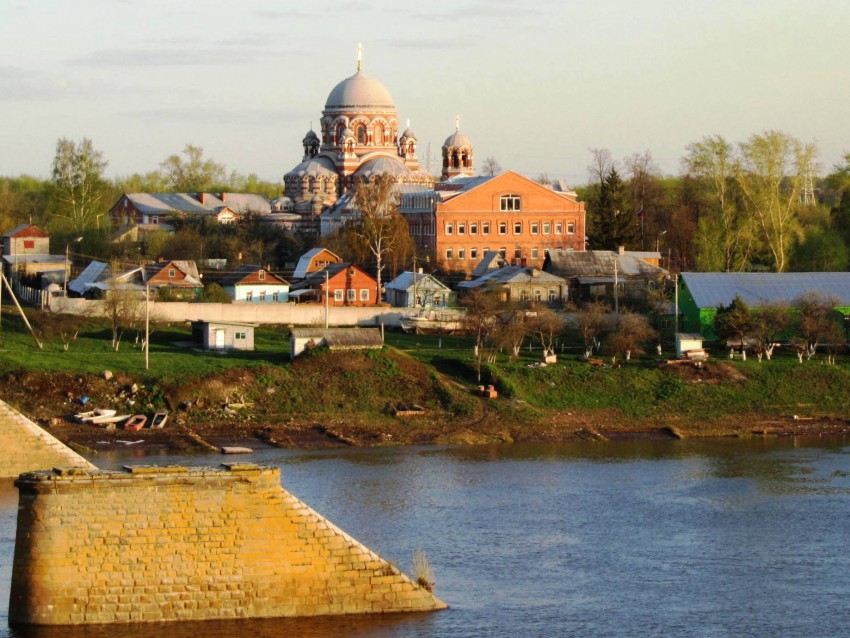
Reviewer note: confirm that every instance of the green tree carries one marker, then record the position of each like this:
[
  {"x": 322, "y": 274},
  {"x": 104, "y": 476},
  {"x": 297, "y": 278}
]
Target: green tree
[
  {"x": 725, "y": 234},
  {"x": 78, "y": 182},
  {"x": 194, "y": 174},
  {"x": 840, "y": 217},
  {"x": 615, "y": 224},
  {"x": 734, "y": 321},
  {"x": 769, "y": 322},
  {"x": 820, "y": 250},
  {"x": 771, "y": 172}
]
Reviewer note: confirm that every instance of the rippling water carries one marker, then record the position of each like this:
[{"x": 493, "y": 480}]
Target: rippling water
[{"x": 679, "y": 538}]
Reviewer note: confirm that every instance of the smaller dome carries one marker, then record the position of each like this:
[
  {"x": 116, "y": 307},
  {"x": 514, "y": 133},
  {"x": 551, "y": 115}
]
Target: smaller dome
[
  {"x": 457, "y": 140},
  {"x": 310, "y": 137},
  {"x": 408, "y": 134},
  {"x": 314, "y": 167}
]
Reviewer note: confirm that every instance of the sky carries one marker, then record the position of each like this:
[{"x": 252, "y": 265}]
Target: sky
[{"x": 536, "y": 85}]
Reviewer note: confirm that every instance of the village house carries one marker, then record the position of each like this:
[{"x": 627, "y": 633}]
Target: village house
[
  {"x": 26, "y": 252},
  {"x": 417, "y": 290},
  {"x": 345, "y": 285},
  {"x": 157, "y": 211},
  {"x": 592, "y": 275},
  {"x": 520, "y": 283},
  {"x": 255, "y": 284},
  {"x": 313, "y": 260},
  {"x": 169, "y": 280}
]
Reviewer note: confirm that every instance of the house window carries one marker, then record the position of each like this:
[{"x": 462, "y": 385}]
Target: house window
[
  {"x": 485, "y": 228},
  {"x": 547, "y": 228},
  {"x": 338, "y": 294},
  {"x": 537, "y": 294},
  {"x": 275, "y": 296},
  {"x": 172, "y": 273},
  {"x": 262, "y": 295},
  {"x": 571, "y": 228},
  {"x": 29, "y": 243},
  {"x": 461, "y": 228},
  {"x": 473, "y": 253},
  {"x": 473, "y": 228},
  {"x": 535, "y": 253},
  {"x": 517, "y": 228},
  {"x": 351, "y": 294},
  {"x": 461, "y": 253},
  {"x": 249, "y": 296},
  {"x": 517, "y": 253},
  {"x": 552, "y": 295},
  {"x": 503, "y": 228},
  {"x": 503, "y": 252},
  {"x": 262, "y": 275},
  {"x": 449, "y": 253},
  {"x": 450, "y": 229},
  {"x": 155, "y": 219},
  {"x": 559, "y": 228},
  {"x": 523, "y": 295},
  {"x": 240, "y": 336},
  {"x": 509, "y": 203},
  {"x": 534, "y": 228},
  {"x": 364, "y": 294}
]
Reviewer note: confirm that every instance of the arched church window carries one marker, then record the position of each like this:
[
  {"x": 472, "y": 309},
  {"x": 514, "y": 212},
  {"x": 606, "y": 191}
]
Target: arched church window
[
  {"x": 379, "y": 135},
  {"x": 340, "y": 129},
  {"x": 361, "y": 134}
]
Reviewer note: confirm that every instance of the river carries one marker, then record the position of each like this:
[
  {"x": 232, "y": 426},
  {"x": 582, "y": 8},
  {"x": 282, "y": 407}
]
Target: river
[{"x": 639, "y": 538}]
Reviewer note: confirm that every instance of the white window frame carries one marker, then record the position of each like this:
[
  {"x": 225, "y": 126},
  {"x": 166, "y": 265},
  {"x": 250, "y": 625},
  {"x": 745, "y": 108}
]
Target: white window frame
[
  {"x": 571, "y": 228},
  {"x": 534, "y": 227},
  {"x": 461, "y": 228},
  {"x": 547, "y": 228},
  {"x": 350, "y": 294},
  {"x": 485, "y": 228},
  {"x": 510, "y": 203},
  {"x": 517, "y": 228},
  {"x": 559, "y": 228},
  {"x": 503, "y": 228},
  {"x": 473, "y": 253},
  {"x": 461, "y": 253},
  {"x": 364, "y": 294},
  {"x": 338, "y": 295},
  {"x": 449, "y": 254},
  {"x": 450, "y": 228},
  {"x": 473, "y": 228}
]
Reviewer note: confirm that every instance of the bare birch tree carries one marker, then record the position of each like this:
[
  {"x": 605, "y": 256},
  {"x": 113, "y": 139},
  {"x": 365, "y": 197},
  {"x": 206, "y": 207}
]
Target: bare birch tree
[
  {"x": 380, "y": 228},
  {"x": 77, "y": 175}
]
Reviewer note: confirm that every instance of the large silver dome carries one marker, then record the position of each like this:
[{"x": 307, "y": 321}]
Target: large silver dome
[{"x": 360, "y": 91}]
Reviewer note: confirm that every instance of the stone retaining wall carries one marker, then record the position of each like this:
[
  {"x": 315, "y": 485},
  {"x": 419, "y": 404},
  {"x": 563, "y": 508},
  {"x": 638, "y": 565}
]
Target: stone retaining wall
[
  {"x": 176, "y": 543},
  {"x": 25, "y": 447}
]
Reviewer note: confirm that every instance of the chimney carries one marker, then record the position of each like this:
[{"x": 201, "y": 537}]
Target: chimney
[
  {"x": 203, "y": 198},
  {"x": 224, "y": 198},
  {"x": 621, "y": 250}
]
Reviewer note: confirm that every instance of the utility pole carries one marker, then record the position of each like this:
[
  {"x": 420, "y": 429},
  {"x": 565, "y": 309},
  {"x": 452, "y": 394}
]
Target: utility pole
[
  {"x": 327, "y": 299},
  {"x": 616, "y": 289},
  {"x": 147, "y": 325}
]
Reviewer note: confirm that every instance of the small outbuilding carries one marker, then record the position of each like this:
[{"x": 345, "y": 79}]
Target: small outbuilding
[
  {"x": 301, "y": 339},
  {"x": 688, "y": 342},
  {"x": 417, "y": 290},
  {"x": 223, "y": 335}
]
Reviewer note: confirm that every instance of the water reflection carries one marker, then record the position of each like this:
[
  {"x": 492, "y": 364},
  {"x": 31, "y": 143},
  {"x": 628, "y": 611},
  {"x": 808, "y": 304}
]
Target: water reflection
[{"x": 625, "y": 538}]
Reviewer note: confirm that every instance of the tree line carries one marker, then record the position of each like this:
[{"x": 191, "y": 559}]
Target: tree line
[{"x": 754, "y": 205}]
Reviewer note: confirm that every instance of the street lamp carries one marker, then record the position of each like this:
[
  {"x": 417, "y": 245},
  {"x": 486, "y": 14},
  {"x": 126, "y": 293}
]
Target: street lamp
[{"x": 67, "y": 269}]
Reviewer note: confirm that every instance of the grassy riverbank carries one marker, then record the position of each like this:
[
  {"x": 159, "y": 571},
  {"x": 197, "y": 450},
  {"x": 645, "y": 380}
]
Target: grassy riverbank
[{"x": 418, "y": 389}]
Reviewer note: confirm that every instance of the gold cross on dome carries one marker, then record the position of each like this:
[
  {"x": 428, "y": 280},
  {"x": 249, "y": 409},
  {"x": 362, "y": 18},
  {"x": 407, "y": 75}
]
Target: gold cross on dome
[{"x": 359, "y": 56}]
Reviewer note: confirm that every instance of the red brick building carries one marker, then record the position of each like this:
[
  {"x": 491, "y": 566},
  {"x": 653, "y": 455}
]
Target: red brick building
[{"x": 464, "y": 217}]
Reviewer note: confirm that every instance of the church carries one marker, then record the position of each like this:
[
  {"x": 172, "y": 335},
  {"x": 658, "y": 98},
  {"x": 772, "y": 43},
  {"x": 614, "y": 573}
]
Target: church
[{"x": 454, "y": 221}]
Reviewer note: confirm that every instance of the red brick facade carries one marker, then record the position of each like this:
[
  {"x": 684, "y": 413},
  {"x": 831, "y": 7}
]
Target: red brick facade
[{"x": 508, "y": 213}]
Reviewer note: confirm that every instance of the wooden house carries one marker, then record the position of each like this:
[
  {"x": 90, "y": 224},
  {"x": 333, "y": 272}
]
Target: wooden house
[
  {"x": 520, "y": 283},
  {"x": 417, "y": 290},
  {"x": 313, "y": 260},
  {"x": 255, "y": 284}
]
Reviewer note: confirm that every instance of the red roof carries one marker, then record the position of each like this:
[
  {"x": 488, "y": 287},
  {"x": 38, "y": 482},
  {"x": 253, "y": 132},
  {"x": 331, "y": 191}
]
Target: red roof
[{"x": 27, "y": 230}]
